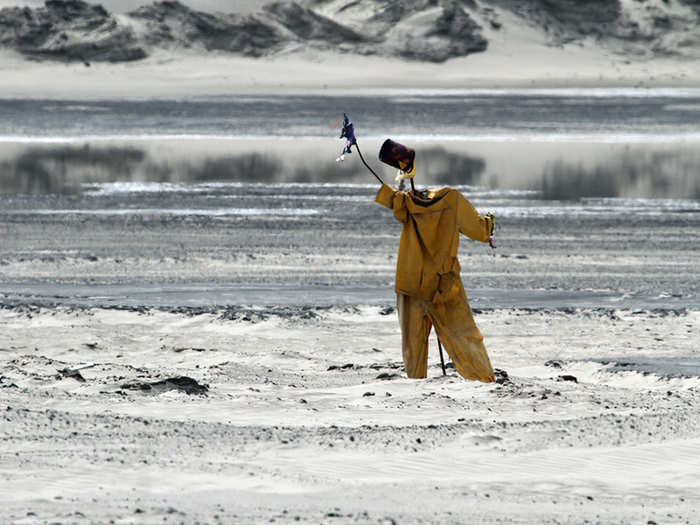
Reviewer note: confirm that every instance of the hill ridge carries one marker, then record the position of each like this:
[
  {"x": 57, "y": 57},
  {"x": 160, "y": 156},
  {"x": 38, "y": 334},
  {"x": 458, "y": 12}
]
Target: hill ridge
[{"x": 418, "y": 30}]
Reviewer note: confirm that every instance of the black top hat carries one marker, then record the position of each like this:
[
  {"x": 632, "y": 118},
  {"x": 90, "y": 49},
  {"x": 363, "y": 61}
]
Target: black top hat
[{"x": 397, "y": 155}]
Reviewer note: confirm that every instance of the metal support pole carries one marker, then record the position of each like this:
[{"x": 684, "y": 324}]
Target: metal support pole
[{"x": 442, "y": 359}]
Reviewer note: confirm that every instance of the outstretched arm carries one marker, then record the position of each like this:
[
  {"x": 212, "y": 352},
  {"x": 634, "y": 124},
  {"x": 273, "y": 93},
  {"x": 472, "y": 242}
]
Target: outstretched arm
[{"x": 470, "y": 223}]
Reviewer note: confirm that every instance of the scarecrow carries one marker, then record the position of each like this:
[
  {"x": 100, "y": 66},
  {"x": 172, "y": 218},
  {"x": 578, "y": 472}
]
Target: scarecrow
[{"x": 429, "y": 290}]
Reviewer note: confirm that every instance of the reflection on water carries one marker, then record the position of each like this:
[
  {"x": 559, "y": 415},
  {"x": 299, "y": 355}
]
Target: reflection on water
[
  {"x": 553, "y": 174},
  {"x": 50, "y": 169},
  {"x": 37, "y": 170},
  {"x": 653, "y": 175}
]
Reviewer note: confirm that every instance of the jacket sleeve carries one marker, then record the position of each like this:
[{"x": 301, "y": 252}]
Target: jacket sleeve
[
  {"x": 394, "y": 200},
  {"x": 469, "y": 221}
]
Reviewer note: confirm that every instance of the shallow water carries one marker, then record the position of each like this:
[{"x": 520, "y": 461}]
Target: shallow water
[
  {"x": 208, "y": 296},
  {"x": 120, "y": 199},
  {"x": 649, "y": 115},
  {"x": 562, "y": 145},
  {"x": 595, "y": 191}
]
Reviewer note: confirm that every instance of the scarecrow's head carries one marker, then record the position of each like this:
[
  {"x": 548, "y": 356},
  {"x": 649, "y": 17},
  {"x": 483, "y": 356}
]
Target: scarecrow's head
[{"x": 399, "y": 156}]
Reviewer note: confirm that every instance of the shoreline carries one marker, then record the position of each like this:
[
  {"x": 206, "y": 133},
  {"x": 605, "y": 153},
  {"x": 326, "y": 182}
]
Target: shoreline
[{"x": 207, "y": 297}]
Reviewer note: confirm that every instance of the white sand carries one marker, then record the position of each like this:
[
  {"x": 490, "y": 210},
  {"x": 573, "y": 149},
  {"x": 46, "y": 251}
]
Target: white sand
[{"x": 280, "y": 436}]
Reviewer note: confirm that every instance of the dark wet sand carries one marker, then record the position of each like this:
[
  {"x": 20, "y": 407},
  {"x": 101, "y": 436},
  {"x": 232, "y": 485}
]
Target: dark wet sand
[{"x": 332, "y": 239}]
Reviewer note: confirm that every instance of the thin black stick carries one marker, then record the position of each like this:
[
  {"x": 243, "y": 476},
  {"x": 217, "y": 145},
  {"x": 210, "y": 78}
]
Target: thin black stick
[
  {"x": 357, "y": 147},
  {"x": 442, "y": 359}
]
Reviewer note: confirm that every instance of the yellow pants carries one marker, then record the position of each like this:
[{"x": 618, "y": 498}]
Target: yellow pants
[{"x": 456, "y": 329}]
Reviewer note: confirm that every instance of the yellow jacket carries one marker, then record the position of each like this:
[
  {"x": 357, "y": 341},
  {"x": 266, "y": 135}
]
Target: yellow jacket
[{"x": 427, "y": 266}]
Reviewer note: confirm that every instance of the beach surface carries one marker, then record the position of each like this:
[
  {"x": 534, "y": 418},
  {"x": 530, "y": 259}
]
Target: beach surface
[
  {"x": 305, "y": 414},
  {"x": 197, "y": 319},
  {"x": 245, "y": 366}
]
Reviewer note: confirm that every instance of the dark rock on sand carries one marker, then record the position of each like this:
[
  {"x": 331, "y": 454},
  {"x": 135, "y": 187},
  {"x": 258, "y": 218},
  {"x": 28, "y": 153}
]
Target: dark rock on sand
[
  {"x": 184, "y": 349},
  {"x": 73, "y": 374},
  {"x": 181, "y": 383},
  {"x": 341, "y": 367},
  {"x": 567, "y": 377},
  {"x": 5, "y": 384},
  {"x": 501, "y": 376},
  {"x": 554, "y": 363},
  {"x": 394, "y": 365}
]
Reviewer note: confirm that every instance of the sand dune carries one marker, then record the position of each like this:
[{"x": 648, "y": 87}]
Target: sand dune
[{"x": 645, "y": 44}]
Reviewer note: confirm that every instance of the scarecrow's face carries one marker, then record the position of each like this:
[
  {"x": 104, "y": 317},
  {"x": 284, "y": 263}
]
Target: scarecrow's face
[{"x": 397, "y": 155}]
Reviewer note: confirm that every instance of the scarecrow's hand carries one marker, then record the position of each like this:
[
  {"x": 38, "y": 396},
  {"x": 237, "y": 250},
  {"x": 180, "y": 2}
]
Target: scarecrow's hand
[{"x": 492, "y": 221}]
